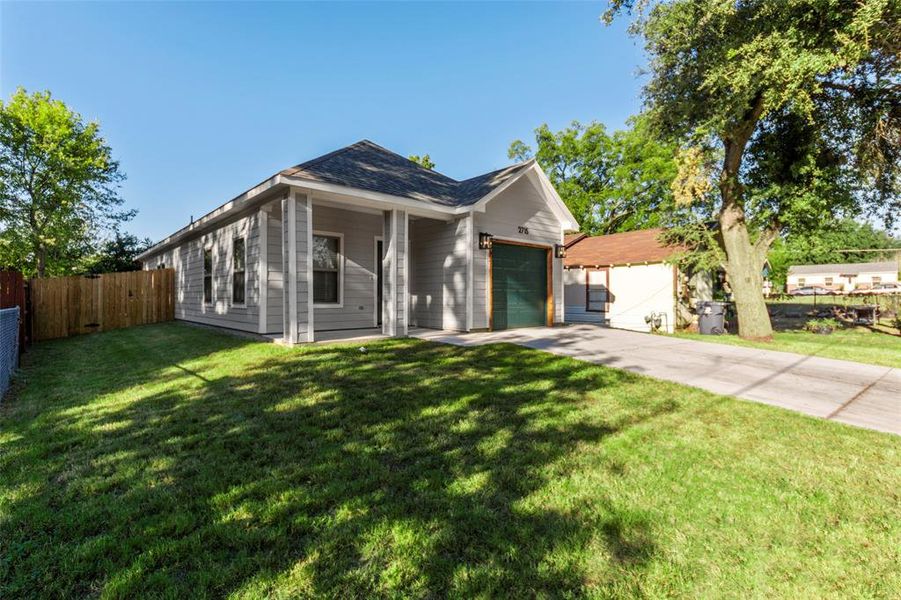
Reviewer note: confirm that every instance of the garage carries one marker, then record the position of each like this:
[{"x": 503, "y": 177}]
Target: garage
[{"x": 519, "y": 286}]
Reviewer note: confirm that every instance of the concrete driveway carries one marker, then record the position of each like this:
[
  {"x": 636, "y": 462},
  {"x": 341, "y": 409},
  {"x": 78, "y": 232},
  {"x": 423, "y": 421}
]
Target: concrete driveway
[{"x": 862, "y": 395}]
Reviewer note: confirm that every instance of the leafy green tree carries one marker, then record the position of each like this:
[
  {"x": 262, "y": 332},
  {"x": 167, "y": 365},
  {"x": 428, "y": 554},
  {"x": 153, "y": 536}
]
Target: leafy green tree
[
  {"x": 424, "y": 161},
  {"x": 787, "y": 113},
  {"x": 611, "y": 183},
  {"x": 835, "y": 242},
  {"x": 119, "y": 253},
  {"x": 58, "y": 185}
]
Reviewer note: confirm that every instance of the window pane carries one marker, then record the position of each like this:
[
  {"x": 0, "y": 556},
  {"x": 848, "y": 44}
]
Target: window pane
[
  {"x": 207, "y": 288},
  {"x": 208, "y": 261},
  {"x": 325, "y": 286},
  {"x": 325, "y": 253},
  {"x": 238, "y": 288},
  {"x": 239, "y": 254}
]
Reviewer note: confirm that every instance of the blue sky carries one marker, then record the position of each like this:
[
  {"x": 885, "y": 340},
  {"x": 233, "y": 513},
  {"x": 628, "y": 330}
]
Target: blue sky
[{"x": 200, "y": 101}]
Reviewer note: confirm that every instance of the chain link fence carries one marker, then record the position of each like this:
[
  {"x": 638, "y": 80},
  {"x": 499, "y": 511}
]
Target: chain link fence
[{"x": 9, "y": 346}]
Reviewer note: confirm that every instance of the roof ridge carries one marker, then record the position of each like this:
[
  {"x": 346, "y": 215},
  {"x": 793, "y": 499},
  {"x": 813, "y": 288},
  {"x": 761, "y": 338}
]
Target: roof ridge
[
  {"x": 319, "y": 159},
  {"x": 418, "y": 166}
]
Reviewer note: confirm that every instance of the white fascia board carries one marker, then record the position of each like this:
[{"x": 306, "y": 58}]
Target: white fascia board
[
  {"x": 236, "y": 204},
  {"x": 374, "y": 199}
]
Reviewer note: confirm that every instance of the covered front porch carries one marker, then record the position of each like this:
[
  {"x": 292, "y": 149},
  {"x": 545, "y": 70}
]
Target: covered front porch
[{"x": 336, "y": 268}]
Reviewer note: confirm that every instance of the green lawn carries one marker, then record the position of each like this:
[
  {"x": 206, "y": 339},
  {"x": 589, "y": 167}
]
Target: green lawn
[
  {"x": 857, "y": 344},
  {"x": 174, "y": 461}
]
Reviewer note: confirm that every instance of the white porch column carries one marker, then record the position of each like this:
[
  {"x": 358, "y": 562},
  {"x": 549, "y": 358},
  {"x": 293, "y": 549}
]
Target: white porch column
[
  {"x": 395, "y": 312},
  {"x": 263, "y": 267},
  {"x": 297, "y": 242}
]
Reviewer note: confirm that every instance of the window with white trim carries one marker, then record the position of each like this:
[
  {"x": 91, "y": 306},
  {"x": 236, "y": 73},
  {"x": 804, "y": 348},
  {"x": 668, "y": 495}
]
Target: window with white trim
[
  {"x": 208, "y": 275},
  {"x": 239, "y": 270},
  {"x": 801, "y": 281},
  {"x": 877, "y": 280},
  {"x": 327, "y": 258}
]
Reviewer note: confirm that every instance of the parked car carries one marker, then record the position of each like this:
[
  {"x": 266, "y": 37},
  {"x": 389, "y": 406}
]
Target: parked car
[
  {"x": 880, "y": 288},
  {"x": 812, "y": 290}
]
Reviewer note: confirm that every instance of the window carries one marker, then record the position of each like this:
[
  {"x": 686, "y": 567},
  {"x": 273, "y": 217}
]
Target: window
[
  {"x": 829, "y": 281},
  {"x": 596, "y": 291},
  {"x": 327, "y": 269},
  {"x": 801, "y": 281},
  {"x": 208, "y": 275},
  {"x": 161, "y": 266},
  {"x": 239, "y": 262},
  {"x": 877, "y": 280}
]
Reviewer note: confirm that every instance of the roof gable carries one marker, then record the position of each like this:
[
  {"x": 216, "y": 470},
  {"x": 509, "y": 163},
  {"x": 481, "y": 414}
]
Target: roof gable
[{"x": 368, "y": 166}]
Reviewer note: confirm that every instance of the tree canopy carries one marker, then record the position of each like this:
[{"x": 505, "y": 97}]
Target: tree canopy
[
  {"x": 786, "y": 113},
  {"x": 119, "y": 253},
  {"x": 58, "y": 185},
  {"x": 424, "y": 161},
  {"x": 835, "y": 243},
  {"x": 611, "y": 183}
]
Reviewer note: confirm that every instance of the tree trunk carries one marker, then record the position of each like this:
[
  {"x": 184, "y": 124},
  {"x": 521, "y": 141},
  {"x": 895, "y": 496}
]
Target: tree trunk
[
  {"x": 744, "y": 266},
  {"x": 42, "y": 261},
  {"x": 744, "y": 260}
]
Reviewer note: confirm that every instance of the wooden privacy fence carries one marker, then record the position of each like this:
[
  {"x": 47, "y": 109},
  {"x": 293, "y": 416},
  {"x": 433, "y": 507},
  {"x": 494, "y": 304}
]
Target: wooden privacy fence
[
  {"x": 12, "y": 293},
  {"x": 64, "y": 306}
]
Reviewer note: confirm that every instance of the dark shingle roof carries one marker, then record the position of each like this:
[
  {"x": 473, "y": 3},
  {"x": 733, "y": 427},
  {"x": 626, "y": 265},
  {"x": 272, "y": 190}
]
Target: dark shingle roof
[{"x": 366, "y": 165}]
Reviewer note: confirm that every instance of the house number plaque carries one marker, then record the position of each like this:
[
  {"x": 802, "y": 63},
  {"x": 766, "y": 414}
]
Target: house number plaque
[{"x": 524, "y": 230}]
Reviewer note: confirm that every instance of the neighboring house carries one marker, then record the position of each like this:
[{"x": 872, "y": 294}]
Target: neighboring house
[
  {"x": 842, "y": 277},
  {"x": 362, "y": 238},
  {"x": 622, "y": 280}
]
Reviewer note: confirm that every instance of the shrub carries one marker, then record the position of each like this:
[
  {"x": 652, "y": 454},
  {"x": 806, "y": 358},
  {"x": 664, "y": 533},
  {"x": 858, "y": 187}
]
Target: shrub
[{"x": 824, "y": 326}]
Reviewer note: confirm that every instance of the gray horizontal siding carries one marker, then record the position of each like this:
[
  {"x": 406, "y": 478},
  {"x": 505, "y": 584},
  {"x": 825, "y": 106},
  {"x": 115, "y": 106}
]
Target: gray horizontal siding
[
  {"x": 187, "y": 260},
  {"x": 360, "y": 231},
  {"x": 438, "y": 274}
]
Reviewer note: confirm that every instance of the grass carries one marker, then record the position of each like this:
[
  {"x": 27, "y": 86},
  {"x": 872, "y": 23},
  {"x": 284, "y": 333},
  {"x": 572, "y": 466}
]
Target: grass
[
  {"x": 171, "y": 461},
  {"x": 857, "y": 344}
]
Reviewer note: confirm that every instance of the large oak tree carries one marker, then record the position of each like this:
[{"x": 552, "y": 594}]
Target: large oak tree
[
  {"x": 787, "y": 113},
  {"x": 58, "y": 185}
]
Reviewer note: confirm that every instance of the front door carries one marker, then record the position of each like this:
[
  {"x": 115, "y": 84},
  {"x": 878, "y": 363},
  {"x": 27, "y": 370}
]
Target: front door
[{"x": 518, "y": 286}]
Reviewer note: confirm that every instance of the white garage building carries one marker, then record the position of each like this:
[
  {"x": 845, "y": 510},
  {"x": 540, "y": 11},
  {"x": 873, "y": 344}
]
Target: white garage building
[{"x": 620, "y": 280}]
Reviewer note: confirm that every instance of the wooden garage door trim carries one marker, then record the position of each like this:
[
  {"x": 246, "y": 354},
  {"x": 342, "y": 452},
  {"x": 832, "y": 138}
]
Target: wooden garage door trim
[{"x": 549, "y": 301}]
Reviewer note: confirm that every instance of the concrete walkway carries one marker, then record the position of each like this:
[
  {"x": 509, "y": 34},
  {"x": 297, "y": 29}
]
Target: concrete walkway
[{"x": 863, "y": 395}]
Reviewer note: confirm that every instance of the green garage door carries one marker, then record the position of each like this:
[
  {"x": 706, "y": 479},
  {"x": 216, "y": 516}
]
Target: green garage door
[{"x": 519, "y": 286}]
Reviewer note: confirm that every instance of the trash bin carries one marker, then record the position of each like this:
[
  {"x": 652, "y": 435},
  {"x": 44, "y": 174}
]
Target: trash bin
[{"x": 712, "y": 317}]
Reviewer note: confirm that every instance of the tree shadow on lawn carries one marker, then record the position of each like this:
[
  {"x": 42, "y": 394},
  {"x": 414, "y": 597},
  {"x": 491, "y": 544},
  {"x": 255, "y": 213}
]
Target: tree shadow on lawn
[{"x": 413, "y": 468}]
